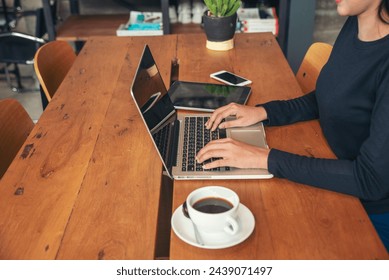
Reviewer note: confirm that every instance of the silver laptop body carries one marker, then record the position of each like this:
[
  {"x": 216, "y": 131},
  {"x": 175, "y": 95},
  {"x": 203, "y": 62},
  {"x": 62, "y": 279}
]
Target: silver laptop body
[{"x": 167, "y": 128}]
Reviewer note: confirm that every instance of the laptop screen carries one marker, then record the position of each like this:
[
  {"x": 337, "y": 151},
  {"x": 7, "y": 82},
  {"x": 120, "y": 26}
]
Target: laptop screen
[
  {"x": 150, "y": 93},
  {"x": 155, "y": 106}
]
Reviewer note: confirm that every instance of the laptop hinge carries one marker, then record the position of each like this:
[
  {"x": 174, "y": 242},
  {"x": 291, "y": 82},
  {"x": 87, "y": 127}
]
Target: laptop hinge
[{"x": 174, "y": 146}]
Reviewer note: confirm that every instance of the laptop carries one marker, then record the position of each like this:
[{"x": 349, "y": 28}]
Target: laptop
[{"x": 178, "y": 137}]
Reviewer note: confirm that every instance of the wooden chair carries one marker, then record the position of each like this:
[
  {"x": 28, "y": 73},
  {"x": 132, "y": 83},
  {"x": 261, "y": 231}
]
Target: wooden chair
[
  {"x": 51, "y": 63},
  {"x": 15, "y": 126},
  {"x": 314, "y": 60}
]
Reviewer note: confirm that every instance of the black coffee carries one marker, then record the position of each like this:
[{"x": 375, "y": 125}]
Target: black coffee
[{"x": 212, "y": 205}]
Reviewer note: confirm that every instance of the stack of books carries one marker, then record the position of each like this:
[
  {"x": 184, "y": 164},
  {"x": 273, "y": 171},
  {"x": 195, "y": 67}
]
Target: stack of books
[
  {"x": 253, "y": 20},
  {"x": 142, "y": 24}
]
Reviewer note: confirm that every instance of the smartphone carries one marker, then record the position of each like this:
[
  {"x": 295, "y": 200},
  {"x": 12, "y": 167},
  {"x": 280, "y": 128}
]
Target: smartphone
[{"x": 230, "y": 78}]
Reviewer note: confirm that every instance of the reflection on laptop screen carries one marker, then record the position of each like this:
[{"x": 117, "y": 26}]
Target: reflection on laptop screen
[{"x": 150, "y": 92}]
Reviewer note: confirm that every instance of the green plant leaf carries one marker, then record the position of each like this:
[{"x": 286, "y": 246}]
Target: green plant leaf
[
  {"x": 221, "y": 8},
  {"x": 233, "y": 9},
  {"x": 210, "y": 5},
  {"x": 224, "y": 9}
]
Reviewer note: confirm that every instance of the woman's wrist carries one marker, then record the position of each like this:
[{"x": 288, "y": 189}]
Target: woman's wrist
[
  {"x": 262, "y": 113},
  {"x": 264, "y": 156}
]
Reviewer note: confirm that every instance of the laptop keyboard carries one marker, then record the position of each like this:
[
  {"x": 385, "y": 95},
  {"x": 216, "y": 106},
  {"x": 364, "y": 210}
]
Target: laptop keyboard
[{"x": 196, "y": 136}]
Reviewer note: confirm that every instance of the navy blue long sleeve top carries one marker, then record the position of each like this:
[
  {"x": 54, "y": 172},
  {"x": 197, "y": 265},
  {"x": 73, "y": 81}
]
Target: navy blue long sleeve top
[{"x": 351, "y": 101}]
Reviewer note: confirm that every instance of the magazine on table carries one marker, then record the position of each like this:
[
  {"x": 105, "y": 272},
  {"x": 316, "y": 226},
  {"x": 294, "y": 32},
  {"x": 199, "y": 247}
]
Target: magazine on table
[{"x": 142, "y": 24}]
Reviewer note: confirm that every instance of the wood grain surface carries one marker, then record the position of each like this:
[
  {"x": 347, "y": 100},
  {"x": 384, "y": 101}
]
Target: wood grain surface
[
  {"x": 88, "y": 182},
  {"x": 293, "y": 221}
]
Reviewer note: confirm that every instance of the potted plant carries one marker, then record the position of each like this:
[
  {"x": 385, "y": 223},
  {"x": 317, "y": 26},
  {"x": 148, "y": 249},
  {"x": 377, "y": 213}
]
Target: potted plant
[{"x": 220, "y": 23}]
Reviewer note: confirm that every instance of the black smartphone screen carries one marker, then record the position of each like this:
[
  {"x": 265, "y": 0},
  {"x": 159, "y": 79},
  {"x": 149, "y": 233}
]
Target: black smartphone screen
[{"x": 206, "y": 96}]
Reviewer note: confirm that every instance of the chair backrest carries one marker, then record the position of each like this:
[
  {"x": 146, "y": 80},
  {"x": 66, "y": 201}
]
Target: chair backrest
[
  {"x": 17, "y": 47},
  {"x": 314, "y": 60},
  {"x": 15, "y": 126},
  {"x": 51, "y": 63}
]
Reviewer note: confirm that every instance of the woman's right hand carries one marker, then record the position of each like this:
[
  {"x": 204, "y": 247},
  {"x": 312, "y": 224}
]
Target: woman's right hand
[{"x": 245, "y": 116}]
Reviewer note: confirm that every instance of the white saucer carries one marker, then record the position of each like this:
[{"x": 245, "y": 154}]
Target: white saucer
[{"x": 183, "y": 228}]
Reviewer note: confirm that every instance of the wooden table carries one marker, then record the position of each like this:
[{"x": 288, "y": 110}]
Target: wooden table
[
  {"x": 81, "y": 27},
  {"x": 293, "y": 221},
  {"x": 87, "y": 183}
]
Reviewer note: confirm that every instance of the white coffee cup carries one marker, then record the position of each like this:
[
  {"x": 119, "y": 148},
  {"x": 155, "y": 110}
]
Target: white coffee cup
[{"x": 214, "y": 209}]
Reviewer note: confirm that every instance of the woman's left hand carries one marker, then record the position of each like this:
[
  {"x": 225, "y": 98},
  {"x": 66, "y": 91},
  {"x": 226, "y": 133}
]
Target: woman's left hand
[{"x": 233, "y": 153}]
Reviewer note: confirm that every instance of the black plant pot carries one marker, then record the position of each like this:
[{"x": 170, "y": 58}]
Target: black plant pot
[{"x": 220, "y": 31}]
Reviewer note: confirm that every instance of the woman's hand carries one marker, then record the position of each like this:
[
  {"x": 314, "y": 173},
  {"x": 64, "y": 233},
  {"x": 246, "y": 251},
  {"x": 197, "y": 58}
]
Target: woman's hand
[
  {"x": 245, "y": 116},
  {"x": 234, "y": 154}
]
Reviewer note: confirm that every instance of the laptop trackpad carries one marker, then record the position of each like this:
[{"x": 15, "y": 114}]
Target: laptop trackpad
[{"x": 252, "y": 137}]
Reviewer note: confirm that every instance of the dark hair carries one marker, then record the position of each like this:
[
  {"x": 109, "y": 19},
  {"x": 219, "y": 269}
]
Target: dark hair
[{"x": 383, "y": 11}]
